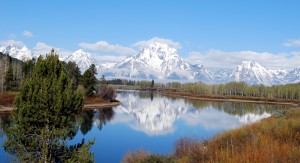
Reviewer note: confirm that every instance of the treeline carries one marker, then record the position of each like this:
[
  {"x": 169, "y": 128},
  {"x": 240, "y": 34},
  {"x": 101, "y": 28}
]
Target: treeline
[
  {"x": 11, "y": 72},
  {"x": 120, "y": 81},
  {"x": 14, "y": 71},
  {"x": 141, "y": 84},
  {"x": 289, "y": 91}
]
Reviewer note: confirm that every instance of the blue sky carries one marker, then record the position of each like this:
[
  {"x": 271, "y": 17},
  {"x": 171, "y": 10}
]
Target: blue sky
[{"x": 266, "y": 31}]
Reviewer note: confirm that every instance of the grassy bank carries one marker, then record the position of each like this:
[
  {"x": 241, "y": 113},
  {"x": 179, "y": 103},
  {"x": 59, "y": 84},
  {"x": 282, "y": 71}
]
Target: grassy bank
[
  {"x": 215, "y": 97},
  {"x": 7, "y": 98},
  {"x": 270, "y": 140}
]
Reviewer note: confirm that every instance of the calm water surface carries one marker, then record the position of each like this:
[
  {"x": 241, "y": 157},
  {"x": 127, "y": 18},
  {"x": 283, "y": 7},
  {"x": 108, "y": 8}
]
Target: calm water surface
[{"x": 153, "y": 122}]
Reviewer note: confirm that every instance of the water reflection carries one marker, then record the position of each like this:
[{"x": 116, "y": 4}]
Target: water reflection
[
  {"x": 154, "y": 114},
  {"x": 32, "y": 139}
]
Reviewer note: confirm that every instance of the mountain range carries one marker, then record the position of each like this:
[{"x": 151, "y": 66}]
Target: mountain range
[{"x": 161, "y": 62}]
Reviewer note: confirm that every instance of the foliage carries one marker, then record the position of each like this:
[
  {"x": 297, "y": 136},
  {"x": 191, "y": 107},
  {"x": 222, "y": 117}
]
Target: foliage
[
  {"x": 141, "y": 156},
  {"x": 10, "y": 72},
  {"x": 10, "y": 80},
  {"x": 136, "y": 156},
  {"x": 73, "y": 73},
  {"x": 120, "y": 82},
  {"x": 288, "y": 91},
  {"x": 107, "y": 92},
  {"x": 44, "y": 116},
  {"x": 27, "y": 67},
  {"x": 271, "y": 140},
  {"x": 89, "y": 81}
]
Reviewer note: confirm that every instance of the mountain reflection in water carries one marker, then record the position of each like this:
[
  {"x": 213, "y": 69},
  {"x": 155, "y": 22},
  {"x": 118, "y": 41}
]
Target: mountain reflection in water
[
  {"x": 152, "y": 122},
  {"x": 155, "y": 114}
]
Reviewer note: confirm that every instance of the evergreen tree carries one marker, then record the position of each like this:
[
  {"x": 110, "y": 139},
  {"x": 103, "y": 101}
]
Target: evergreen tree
[
  {"x": 74, "y": 73},
  {"x": 152, "y": 83},
  {"x": 27, "y": 67},
  {"x": 89, "y": 80},
  {"x": 10, "y": 82},
  {"x": 44, "y": 116}
]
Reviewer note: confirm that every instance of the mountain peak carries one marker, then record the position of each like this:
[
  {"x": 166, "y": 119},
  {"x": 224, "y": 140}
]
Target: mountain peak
[
  {"x": 82, "y": 58},
  {"x": 22, "y": 54},
  {"x": 160, "y": 47},
  {"x": 253, "y": 73}
]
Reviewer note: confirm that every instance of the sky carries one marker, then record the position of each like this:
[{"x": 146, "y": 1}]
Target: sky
[{"x": 208, "y": 32}]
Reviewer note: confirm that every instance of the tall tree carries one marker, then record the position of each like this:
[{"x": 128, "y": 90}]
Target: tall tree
[
  {"x": 10, "y": 82},
  {"x": 27, "y": 67},
  {"x": 74, "y": 73},
  {"x": 89, "y": 80},
  {"x": 44, "y": 116}
]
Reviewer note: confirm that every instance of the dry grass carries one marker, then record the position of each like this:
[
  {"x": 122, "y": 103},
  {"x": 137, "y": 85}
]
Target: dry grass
[
  {"x": 94, "y": 100},
  {"x": 7, "y": 98},
  {"x": 136, "y": 156},
  {"x": 271, "y": 140}
]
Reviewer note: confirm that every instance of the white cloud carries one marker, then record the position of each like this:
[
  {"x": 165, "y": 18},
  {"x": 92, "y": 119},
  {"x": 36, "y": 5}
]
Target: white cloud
[
  {"x": 104, "y": 46},
  {"x": 146, "y": 43},
  {"x": 27, "y": 34},
  {"x": 109, "y": 58},
  {"x": 292, "y": 43},
  {"x": 12, "y": 42},
  {"x": 43, "y": 49},
  {"x": 217, "y": 58}
]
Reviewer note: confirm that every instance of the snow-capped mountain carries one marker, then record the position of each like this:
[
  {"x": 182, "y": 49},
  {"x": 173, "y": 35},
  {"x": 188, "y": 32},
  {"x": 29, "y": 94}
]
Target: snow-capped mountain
[
  {"x": 19, "y": 53},
  {"x": 293, "y": 76},
  {"x": 82, "y": 59},
  {"x": 281, "y": 73},
  {"x": 220, "y": 75},
  {"x": 253, "y": 73},
  {"x": 159, "y": 61}
]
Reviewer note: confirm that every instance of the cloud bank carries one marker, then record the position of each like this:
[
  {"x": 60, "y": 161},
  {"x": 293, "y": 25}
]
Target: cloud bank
[
  {"x": 103, "y": 46},
  {"x": 222, "y": 59}
]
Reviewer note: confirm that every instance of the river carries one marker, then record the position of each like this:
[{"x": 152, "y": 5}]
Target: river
[{"x": 153, "y": 122}]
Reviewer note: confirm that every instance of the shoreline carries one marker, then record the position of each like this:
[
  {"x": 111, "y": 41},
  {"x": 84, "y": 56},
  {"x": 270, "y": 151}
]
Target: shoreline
[
  {"x": 103, "y": 105},
  {"x": 224, "y": 98}
]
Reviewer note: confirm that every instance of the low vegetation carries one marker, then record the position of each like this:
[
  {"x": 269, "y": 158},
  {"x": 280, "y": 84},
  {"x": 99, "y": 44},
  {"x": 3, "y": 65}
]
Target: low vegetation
[
  {"x": 288, "y": 91},
  {"x": 271, "y": 140}
]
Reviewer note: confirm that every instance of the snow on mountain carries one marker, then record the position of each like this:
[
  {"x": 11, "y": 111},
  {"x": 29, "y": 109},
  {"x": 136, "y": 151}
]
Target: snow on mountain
[
  {"x": 82, "y": 59},
  {"x": 19, "y": 53},
  {"x": 281, "y": 73},
  {"x": 293, "y": 76},
  {"x": 253, "y": 73},
  {"x": 220, "y": 75},
  {"x": 159, "y": 61}
]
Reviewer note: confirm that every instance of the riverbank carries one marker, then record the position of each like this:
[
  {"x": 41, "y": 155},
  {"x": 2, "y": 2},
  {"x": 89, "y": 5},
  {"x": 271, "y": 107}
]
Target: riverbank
[
  {"x": 231, "y": 98},
  {"x": 274, "y": 139},
  {"x": 6, "y": 102}
]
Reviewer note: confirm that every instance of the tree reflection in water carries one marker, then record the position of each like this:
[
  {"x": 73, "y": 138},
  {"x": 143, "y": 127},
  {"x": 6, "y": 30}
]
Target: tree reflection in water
[
  {"x": 35, "y": 141},
  {"x": 104, "y": 115},
  {"x": 99, "y": 116}
]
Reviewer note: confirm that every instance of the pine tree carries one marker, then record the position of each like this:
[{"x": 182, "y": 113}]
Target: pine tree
[
  {"x": 89, "y": 80},
  {"x": 10, "y": 82},
  {"x": 44, "y": 116},
  {"x": 74, "y": 73}
]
